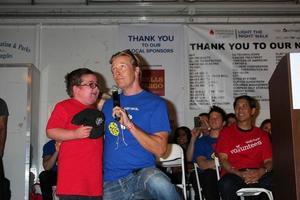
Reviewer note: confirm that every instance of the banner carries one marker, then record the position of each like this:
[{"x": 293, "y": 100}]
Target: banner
[
  {"x": 226, "y": 61},
  {"x": 17, "y": 44},
  {"x": 161, "y": 49}
]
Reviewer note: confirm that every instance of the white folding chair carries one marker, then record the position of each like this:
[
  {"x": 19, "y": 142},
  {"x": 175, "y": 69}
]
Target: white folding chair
[
  {"x": 198, "y": 182},
  {"x": 175, "y": 158},
  {"x": 244, "y": 192},
  {"x": 217, "y": 164},
  {"x": 218, "y": 167}
]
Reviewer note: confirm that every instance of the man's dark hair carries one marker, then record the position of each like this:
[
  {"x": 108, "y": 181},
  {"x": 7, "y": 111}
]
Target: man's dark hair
[
  {"x": 230, "y": 115},
  {"x": 203, "y": 114},
  {"x": 74, "y": 78},
  {"x": 266, "y": 121},
  {"x": 218, "y": 110},
  {"x": 252, "y": 102}
]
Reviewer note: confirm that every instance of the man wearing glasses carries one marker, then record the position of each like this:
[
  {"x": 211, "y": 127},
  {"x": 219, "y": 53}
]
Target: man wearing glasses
[
  {"x": 80, "y": 157},
  {"x": 135, "y": 133}
]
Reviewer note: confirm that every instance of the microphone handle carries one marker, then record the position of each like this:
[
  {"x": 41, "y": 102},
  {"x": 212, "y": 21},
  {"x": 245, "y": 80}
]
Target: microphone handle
[{"x": 116, "y": 102}]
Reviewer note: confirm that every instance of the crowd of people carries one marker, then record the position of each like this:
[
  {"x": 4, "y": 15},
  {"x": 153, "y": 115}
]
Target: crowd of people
[
  {"x": 243, "y": 150},
  {"x": 111, "y": 154}
]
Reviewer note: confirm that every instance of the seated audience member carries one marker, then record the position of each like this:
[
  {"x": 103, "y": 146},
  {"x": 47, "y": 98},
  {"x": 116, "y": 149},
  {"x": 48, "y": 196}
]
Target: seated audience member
[
  {"x": 244, "y": 151},
  {"x": 203, "y": 121},
  {"x": 48, "y": 177},
  {"x": 197, "y": 132},
  {"x": 230, "y": 119},
  {"x": 266, "y": 126},
  {"x": 203, "y": 154},
  {"x": 182, "y": 136}
]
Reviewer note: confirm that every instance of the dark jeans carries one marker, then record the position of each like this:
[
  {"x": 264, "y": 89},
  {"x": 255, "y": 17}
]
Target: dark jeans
[
  {"x": 208, "y": 182},
  {"x": 47, "y": 180},
  {"x": 230, "y": 183}
]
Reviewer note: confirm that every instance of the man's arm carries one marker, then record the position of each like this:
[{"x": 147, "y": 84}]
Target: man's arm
[
  {"x": 203, "y": 163},
  {"x": 156, "y": 143},
  {"x": 3, "y": 133},
  {"x": 50, "y": 160},
  {"x": 268, "y": 165},
  {"x": 253, "y": 175},
  {"x": 191, "y": 147},
  {"x": 223, "y": 158}
]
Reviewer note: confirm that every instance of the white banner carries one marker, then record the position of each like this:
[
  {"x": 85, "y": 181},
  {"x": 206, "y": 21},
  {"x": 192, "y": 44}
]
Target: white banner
[
  {"x": 226, "y": 61},
  {"x": 163, "y": 74},
  {"x": 17, "y": 44}
]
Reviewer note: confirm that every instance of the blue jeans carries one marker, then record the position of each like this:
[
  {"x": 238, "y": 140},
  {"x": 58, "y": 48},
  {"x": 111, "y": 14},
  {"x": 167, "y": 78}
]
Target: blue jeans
[{"x": 147, "y": 183}]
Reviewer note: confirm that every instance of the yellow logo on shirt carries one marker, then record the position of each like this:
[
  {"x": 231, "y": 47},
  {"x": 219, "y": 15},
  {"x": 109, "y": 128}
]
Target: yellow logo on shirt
[{"x": 113, "y": 128}]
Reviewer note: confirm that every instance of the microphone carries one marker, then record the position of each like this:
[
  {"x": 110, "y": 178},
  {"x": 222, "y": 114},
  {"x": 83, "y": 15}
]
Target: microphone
[{"x": 116, "y": 99}]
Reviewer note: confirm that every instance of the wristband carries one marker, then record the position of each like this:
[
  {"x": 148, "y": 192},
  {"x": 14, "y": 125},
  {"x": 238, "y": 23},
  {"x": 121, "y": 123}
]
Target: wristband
[{"x": 129, "y": 126}]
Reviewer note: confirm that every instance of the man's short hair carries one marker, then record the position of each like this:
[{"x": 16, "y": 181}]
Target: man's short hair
[
  {"x": 127, "y": 52},
  {"x": 203, "y": 114},
  {"x": 252, "y": 101},
  {"x": 218, "y": 110}
]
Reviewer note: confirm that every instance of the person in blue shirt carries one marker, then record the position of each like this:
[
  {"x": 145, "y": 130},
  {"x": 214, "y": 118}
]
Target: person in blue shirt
[
  {"x": 48, "y": 177},
  {"x": 136, "y": 132},
  {"x": 202, "y": 150}
]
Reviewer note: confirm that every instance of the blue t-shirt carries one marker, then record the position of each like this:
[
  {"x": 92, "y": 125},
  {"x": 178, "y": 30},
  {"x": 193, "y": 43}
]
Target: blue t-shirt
[
  {"x": 204, "y": 146},
  {"x": 122, "y": 152},
  {"x": 49, "y": 150}
]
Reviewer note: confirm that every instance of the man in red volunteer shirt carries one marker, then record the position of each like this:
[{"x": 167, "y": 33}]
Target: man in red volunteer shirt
[
  {"x": 244, "y": 151},
  {"x": 80, "y": 157}
]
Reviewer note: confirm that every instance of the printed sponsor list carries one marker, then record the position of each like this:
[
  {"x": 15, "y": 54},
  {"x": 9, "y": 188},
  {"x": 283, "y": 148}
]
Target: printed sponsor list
[
  {"x": 212, "y": 82},
  {"x": 244, "y": 73},
  {"x": 208, "y": 80}
]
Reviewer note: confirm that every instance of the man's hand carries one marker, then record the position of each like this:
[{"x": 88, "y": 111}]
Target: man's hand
[
  {"x": 251, "y": 176},
  {"x": 122, "y": 114},
  {"x": 195, "y": 133}
]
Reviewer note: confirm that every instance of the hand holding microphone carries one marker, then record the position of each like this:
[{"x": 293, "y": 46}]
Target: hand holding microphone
[
  {"x": 116, "y": 100},
  {"x": 119, "y": 113}
]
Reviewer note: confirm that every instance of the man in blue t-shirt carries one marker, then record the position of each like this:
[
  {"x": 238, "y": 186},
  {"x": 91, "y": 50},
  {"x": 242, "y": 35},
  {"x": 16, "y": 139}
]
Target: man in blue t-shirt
[
  {"x": 48, "y": 178},
  {"x": 136, "y": 132},
  {"x": 202, "y": 151}
]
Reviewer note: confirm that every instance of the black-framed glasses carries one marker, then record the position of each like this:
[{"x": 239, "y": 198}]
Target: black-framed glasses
[{"x": 91, "y": 85}]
